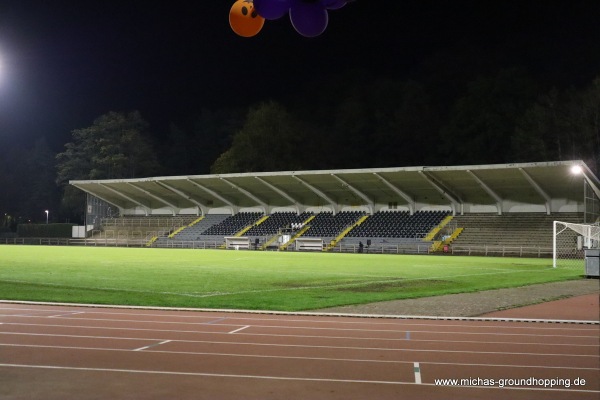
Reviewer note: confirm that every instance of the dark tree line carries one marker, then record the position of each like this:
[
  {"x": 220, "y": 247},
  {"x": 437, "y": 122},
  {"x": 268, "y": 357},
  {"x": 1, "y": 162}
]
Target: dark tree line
[
  {"x": 348, "y": 121},
  {"x": 500, "y": 118}
]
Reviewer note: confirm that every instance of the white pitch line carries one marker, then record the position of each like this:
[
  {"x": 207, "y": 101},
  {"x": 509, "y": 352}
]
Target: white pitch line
[
  {"x": 240, "y": 329},
  {"x": 279, "y": 378}
]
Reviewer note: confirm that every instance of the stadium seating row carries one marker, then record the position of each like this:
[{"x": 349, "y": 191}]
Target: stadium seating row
[
  {"x": 382, "y": 229},
  {"x": 276, "y": 222},
  {"x": 389, "y": 224},
  {"x": 325, "y": 225}
]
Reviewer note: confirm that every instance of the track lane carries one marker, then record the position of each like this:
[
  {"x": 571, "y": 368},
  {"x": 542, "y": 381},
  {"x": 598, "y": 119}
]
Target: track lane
[{"x": 327, "y": 354}]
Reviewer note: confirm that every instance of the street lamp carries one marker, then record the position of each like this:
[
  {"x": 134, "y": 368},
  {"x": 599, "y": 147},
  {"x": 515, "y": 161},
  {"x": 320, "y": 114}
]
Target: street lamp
[{"x": 47, "y": 212}]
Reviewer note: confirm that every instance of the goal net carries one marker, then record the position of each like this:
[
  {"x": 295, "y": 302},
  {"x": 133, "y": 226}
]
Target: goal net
[{"x": 570, "y": 241}]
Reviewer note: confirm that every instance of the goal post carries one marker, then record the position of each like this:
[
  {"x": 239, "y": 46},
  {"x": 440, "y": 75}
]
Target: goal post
[{"x": 569, "y": 242}]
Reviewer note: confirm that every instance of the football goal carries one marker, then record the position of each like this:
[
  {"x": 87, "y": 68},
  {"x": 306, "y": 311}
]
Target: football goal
[{"x": 569, "y": 242}]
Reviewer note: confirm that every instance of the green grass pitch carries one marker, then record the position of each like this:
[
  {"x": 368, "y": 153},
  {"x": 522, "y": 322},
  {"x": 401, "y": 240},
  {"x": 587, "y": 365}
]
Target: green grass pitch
[{"x": 284, "y": 281}]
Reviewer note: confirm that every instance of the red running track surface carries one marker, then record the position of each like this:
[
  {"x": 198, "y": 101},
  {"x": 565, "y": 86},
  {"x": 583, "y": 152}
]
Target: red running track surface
[{"x": 69, "y": 352}]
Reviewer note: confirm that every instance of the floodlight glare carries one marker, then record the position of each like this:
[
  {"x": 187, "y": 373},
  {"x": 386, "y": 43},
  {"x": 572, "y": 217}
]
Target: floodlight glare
[{"x": 576, "y": 170}]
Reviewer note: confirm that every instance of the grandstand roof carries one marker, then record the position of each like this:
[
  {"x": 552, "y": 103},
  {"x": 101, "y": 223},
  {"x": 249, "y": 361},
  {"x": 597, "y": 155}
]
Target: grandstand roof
[{"x": 545, "y": 186}]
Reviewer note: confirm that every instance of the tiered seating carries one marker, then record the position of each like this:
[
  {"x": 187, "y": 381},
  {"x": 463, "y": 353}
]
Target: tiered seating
[
  {"x": 233, "y": 224},
  {"x": 275, "y": 222},
  {"x": 327, "y": 225},
  {"x": 140, "y": 227},
  {"x": 398, "y": 224},
  {"x": 194, "y": 232},
  {"x": 532, "y": 230}
]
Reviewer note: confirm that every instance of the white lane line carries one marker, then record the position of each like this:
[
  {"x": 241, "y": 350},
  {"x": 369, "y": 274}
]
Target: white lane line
[
  {"x": 588, "y": 354},
  {"x": 133, "y": 371},
  {"x": 279, "y": 378},
  {"x": 152, "y": 345},
  {"x": 352, "y": 319},
  {"x": 240, "y": 329},
  {"x": 593, "y": 333},
  {"x": 417, "y": 370},
  {"x": 353, "y": 360},
  {"x": 215, "y": 321},
  {"x": 335, "y": 338},
  {"x": 65, "y": 314}
]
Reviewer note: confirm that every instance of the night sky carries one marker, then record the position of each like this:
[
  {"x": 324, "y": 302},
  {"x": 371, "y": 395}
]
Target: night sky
[{"x": 63, "y": 64}]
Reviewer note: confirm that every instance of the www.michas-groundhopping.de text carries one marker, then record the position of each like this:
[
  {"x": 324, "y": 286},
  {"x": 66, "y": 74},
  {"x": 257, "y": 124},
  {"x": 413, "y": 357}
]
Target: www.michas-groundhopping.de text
[{"x": 513, "y": 382}]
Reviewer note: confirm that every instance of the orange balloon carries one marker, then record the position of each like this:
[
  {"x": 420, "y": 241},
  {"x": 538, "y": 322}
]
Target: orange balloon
[{"x": 244, "y": 19}]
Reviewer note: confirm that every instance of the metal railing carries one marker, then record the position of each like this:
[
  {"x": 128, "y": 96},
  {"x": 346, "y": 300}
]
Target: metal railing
[
  {"x": 152, "y": 221},
  {"x": 482, "y": 250},
  {"x": 75, "y": 242},
  {"x": 502, "y": 251},
  {"x": 404, "y": 248}
]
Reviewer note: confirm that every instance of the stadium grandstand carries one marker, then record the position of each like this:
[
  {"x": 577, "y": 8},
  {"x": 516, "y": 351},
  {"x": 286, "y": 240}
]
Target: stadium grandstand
[{"x": 505, "y": 209}]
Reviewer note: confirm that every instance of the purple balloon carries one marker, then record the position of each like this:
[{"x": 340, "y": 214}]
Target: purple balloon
[
  {"x": 308, "y": 19},
  {"x": 271, "y": 9},
  {"x": 333, "y": 4}
]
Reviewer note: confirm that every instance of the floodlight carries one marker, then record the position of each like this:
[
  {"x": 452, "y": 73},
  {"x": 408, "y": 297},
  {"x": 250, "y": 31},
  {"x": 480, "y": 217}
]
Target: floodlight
[{"x": 576, "y": 170}]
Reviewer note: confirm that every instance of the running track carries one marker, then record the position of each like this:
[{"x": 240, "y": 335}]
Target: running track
[{"x": 66, "y": 352}]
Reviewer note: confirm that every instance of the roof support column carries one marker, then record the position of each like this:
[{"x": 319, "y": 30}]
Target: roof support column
[
  {"x": 537, "y": 188},
  {"x": 319, "y": 193},
  {"x": 264, "y": 205},
  {"x": 145, "y": 207},
  {"x": 489, "y": 191},
  {"x": 280, "y": 192},
  {"x": 360, "y": 194},
  {"x": 174, "y": 208},
  {"x": 234, "y": 209},
  {"x": 121, "y": 208},
  {"x": 201, "y": 207},
  {"x": 454, "y": 200},
  {"x": 409, "y": 200}
]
